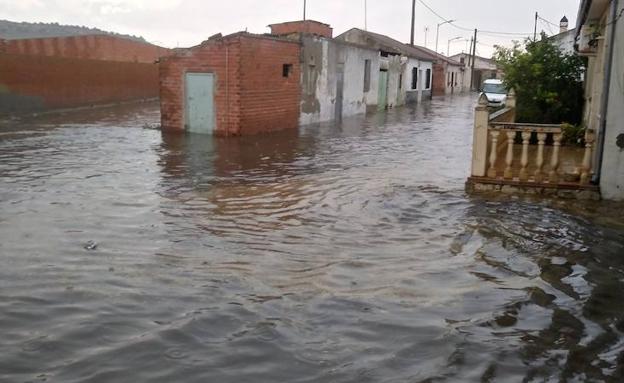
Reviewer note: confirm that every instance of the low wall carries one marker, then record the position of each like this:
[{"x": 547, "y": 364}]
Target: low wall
[
  {"x": 37, "y": 83},
  {"x": 90, "y": 47}
]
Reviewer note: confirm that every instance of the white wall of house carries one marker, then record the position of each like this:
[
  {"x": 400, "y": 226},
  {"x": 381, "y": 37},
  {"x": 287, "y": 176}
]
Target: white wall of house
[
  {"x": 486, "y": 69},
  {"x": 453, "y": 79},
  {"x": 394, "y": 65},
  {"x": 355, "y": 98},
  {"x": 421, "y": 91},
  {"x": 612, "y": 176},
  {"x": 322, "y": 60},
  {"x": 565, "y": 41}
]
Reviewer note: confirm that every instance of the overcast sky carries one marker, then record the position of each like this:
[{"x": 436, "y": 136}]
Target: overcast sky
[{"x": 185, "y": 23}]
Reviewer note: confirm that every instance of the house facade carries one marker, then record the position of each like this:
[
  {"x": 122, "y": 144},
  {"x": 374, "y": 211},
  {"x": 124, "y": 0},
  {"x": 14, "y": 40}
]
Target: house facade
[
  {"x": 405, "y": 74},
  {"x": 338, "y": 79},
  {"x": 565, "y": 40},
  {"x": 234, "y": 85},
  {"x": 600, "y": 37},
  {"x": 484, "y": 69},
  {"x": 296, "y": 75}
]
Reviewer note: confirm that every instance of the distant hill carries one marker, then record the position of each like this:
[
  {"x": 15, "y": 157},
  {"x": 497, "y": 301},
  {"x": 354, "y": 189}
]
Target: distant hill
[{"x": 11, "y": 30}]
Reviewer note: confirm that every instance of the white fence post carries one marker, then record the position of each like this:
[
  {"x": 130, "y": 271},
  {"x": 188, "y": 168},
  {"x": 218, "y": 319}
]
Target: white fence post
[{"x": 480, "y": 138}]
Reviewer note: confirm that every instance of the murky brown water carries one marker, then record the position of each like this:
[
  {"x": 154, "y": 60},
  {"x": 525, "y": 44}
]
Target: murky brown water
[{"x": 332, "y": 254}]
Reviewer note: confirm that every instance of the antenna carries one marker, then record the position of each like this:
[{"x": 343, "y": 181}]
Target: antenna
[{"x": 365, "y": 15}]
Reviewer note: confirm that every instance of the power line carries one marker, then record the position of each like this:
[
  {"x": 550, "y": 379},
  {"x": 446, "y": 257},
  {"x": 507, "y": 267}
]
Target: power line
[
  {"x": 551, "y": 23},
  {"x": 470, "y": 29},
  {"x": 548, "y": 26}
]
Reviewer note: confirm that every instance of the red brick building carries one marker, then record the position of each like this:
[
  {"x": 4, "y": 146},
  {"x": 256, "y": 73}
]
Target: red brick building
[
  {"x": 39, "y": 74},
  {"x": 233, "y": 85}
]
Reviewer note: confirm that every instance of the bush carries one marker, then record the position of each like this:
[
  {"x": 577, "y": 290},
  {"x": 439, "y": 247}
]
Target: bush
[
  {"x": 548, "y": 83},
  {"x": 573, "y": 135}
]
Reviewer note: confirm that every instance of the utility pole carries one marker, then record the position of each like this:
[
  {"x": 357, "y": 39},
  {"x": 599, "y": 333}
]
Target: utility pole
[
  {"x": 535, "y": 28},
  {"x": 365, "y": 15},
  {"x": 304, "y": 9},
  {"x": 426, "y": 33},
  {"x": 469, "y": 53},
  {"x": 413, "y": 22},
  {"x": 474, "y": 54}
]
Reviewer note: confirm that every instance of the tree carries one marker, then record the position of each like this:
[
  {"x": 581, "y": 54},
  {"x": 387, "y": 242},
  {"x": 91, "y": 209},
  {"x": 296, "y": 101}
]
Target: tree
[{"x": 548, "y": 83}]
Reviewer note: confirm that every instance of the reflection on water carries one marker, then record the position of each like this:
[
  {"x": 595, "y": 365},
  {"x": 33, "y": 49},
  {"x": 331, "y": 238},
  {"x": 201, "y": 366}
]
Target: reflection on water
[{"x": 335, "y": 253}]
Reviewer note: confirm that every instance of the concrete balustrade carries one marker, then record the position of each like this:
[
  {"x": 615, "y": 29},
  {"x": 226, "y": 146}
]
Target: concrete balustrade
[{"x": 507, "y": 153}]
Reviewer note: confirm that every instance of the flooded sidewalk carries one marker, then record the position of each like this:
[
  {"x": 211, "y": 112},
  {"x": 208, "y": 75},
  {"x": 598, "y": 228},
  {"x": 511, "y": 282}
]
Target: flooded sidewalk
[{"x": 335, "y": 253}]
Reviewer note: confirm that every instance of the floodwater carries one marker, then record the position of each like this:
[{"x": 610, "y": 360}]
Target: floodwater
[{"x": 346, "y": 253}]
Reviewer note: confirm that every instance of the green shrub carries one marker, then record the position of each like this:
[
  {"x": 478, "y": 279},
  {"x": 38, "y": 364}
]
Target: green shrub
[
  {"x": 548, "y": 83},
  {"x": 573, "y": 135}
]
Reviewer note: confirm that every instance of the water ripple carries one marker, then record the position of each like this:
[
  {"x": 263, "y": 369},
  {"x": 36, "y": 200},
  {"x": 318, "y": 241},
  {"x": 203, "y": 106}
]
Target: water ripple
[{"x": 342, "y": 253}]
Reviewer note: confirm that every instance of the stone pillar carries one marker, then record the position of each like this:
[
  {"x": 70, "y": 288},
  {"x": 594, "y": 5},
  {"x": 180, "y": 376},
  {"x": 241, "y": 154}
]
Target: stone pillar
[
  {"x": 511, "y": 103},
  {"x": 480, "y": 138}
]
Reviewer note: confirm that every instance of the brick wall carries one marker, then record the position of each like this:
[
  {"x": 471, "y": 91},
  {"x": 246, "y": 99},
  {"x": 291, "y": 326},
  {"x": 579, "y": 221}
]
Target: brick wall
[
  {"x": 251, "y": 95},
  {"x": 34, "y": 83},
  {"x": 438, "y": 87},
  {"x": 304, "y": 26},
  {"x": 92, "y": 47},
  {"x": 269, "y": 101},
  {"x": 220, "y": 57}
]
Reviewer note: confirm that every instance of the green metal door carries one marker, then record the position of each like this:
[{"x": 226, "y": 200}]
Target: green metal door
[
  {"x": 200, "y": 111},
  {"x": 382, "y": 96}
]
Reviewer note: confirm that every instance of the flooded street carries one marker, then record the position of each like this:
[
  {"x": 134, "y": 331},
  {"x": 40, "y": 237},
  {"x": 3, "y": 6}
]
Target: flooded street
[{"x": 345, "y": 253}]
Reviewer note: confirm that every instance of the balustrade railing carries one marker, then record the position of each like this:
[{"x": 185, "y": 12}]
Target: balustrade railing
[{"x": 497, "y": 138}]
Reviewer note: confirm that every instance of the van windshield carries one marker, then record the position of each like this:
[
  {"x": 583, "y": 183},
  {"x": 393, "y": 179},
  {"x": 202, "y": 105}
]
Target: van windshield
[{"x": 494, "y": 88}]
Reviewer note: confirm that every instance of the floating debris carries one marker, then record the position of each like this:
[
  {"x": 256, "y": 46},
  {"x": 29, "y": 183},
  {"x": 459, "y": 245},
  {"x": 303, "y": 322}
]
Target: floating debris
[
  {"x": 91, "y": 245},
  {"x": 151, "y": 126}
]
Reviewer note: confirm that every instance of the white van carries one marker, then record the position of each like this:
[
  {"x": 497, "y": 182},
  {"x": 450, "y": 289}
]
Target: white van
[{"x": 495, "y": 92}]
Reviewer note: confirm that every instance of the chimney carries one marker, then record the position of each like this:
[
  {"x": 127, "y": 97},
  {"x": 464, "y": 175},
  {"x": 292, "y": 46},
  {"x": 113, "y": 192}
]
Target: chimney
[{"x": 563, "y": 25}]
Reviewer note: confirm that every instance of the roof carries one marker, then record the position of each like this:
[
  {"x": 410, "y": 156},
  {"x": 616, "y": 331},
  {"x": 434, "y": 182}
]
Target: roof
[
  {"x": 391, "y": 45},
  {"x": 435, "y": 56},
  {"x": 564, "y": 20},
  {"x": 490, "y": 60},
  {"x": 394, "y": 46},
  {"x": 563, "y": 35},
  {"x": 218, "y": 38},
  {"x": 299, "y": 22}
]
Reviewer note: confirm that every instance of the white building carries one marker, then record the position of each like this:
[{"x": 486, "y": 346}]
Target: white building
[{"x": 600, "y": 36}]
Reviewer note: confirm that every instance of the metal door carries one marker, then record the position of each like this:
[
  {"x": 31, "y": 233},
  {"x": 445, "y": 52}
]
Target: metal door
[
  {"x": 382, "y": 97},
  {"x": 200, "y": 111},
  {"x": 339, "y": 91}
]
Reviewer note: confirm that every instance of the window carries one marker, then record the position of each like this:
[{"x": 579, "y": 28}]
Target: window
[
  {"x": 286, "y": 70},
  {"x": 495, "y": 88},
  {"x": 414, "y": 78},
  {"x": 400, "y": 81},
  {"x": 428, "y": 79},
  {"x": 367, "y": 75},
  {"x": 462, "y": 60}
]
